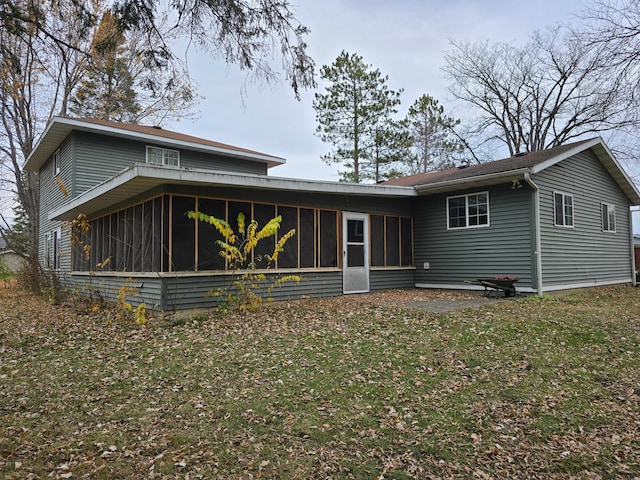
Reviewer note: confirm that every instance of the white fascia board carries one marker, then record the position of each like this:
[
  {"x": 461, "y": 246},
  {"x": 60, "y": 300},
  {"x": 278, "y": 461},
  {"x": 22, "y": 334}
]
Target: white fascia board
[
  {"x": 478, "y": 180},
  {"x": 563, "y": 156},
  {"x": 93, "y": 193},
  {"x": 199, "y": 177},
  {"x": 609, "y": 161}
]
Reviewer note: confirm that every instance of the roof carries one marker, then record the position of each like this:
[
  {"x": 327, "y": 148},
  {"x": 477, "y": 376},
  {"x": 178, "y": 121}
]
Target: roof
[
  {"x": 60, "y": 127},
  {"x": 140, "y": 178},
  {"x": 516, "y": 162},
  {"x": 515, "y": 167}
]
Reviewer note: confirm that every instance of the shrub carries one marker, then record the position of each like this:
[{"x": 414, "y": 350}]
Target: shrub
[{"x": 238, "y": 250}]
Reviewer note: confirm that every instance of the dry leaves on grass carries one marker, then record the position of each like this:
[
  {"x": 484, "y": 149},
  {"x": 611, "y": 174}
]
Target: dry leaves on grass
[{"x": 349, "y": 387}]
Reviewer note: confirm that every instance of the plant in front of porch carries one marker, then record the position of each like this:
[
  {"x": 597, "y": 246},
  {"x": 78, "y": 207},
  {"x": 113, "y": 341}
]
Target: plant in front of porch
[{"x": 239, "y": 249}]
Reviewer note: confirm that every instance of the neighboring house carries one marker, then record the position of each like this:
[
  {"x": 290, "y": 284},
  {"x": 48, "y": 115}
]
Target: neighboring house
[
  {"x": 556, "y": 219},
  {"x": 13, "y": 260}
]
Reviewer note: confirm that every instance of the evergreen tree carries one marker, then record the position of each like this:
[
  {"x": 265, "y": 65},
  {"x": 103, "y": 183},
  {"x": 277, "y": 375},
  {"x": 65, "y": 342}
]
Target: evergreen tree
[
  {"x": 17, "y": 234},
  {"x": 435, "y": 147},
  {"x": 355, "y": 115},
  {"x": 108, "y": 91},
  {"x": 391, "y": 147}
]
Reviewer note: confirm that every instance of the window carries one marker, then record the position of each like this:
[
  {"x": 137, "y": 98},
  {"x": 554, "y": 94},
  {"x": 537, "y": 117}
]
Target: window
[
  {"x": 52, "y": 249},
  {"x": 468, "y": 210},
  {"x": 56, "y": 163},
  {"x": 563, "y": 209},
  {"x": 391, "y": 241},
  {"x": 608, "y": 217},
  {"x": 163, "y": 156}
]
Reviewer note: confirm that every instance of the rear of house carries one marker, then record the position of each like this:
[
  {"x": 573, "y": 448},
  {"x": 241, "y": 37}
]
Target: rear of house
[{"x": 555, "y": 219}]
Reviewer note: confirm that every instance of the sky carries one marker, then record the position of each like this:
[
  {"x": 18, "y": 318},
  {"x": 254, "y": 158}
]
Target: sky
[{"x": 404, "y": 39}]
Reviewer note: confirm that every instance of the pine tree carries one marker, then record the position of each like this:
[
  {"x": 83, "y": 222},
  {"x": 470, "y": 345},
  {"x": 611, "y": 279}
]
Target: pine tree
[
  {"x": 108, "y": 90},
  {"x": 17, "y": 234},
  {"x": 353, "y": 115},
  {"x": 435, "y": 147}
]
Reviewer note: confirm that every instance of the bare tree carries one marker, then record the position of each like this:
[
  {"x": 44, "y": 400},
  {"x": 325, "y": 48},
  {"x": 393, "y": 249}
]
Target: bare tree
[
  {"x": 614, "y": 27},
  {"x": 37, "y": 77},
  {"x": 548, "y": 92},
  {"x": 248, "y": 33},
  {"x": 40, "y": 70}
]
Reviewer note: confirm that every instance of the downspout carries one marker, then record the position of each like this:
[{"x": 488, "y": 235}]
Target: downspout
[
  {"x": 633, "y": 253},
  {"x": 536, "y": 227}
]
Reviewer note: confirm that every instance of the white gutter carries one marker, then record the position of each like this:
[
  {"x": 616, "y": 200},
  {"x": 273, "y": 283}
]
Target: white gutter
[
  {"x": 536, "y": 227},
  {"x": 633, "y": 255},
  {"x": 486, "y": 179}
]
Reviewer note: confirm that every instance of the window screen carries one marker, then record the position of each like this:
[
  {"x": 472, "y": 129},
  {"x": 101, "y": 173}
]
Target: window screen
[
  {"x": 289, "y": 257},
  {"x": 377, "y": 240},
  {"x": 328, "y": 239},
  {"x": 183, "y": 234},
  {"x": 209, "y": 257},
  {"x": 393, "y": 241},
  {"x": 307, "y": 237}
]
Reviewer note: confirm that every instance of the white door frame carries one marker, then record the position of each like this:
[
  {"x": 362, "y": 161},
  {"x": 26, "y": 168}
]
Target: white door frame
[{"x": 355, "y": 279}]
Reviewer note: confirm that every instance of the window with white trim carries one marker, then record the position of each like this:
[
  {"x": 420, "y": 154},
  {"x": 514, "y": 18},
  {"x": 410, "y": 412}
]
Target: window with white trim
[
  {"x": 56, "y": 163},
  {"x": 563, "y": 209},
  {"x": 468, "y": 211},
  {"x": 163, "y": 156},
  {"x": 608, "y": 217}
]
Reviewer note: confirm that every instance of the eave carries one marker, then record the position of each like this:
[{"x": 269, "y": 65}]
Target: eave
[
  {"x": 607, "y": 159},
  {"x": 60, "y": 127},
  {"x": 141, "y": 178},
  {"x": 471, "y": 182}
]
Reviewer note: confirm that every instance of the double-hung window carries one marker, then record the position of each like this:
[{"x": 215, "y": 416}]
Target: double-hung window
[
  {"x": 608, "y": 217},
  {"x": 563, "y": 209},
  {"x": 163, "y": 156},
  {"x": 468, "y": 211}
]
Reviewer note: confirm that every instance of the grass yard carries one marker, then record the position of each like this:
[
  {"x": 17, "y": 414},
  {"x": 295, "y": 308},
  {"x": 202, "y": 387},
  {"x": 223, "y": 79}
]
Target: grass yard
[{"x": 354, "y": 387}]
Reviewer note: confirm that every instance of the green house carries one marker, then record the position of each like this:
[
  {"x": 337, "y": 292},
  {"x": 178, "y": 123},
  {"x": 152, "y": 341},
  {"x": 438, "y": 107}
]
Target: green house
[{"x": 556, "y": 219}]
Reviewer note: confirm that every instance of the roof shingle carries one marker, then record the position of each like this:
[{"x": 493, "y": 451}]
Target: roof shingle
[{"x": 517, "y": 162}]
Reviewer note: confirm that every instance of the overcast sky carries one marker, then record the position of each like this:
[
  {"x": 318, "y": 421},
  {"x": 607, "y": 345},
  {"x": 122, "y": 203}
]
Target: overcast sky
[{"x": 404, "y": 39}]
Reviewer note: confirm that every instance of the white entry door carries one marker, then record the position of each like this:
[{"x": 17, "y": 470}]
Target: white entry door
[{"x": 355, "y": 252}]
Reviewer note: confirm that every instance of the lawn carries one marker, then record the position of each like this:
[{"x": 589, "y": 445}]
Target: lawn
[{"x": 354, "y": 387}]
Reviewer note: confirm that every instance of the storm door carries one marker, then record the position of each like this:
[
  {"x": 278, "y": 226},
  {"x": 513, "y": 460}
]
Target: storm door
[{"x": 355, "y": 266}]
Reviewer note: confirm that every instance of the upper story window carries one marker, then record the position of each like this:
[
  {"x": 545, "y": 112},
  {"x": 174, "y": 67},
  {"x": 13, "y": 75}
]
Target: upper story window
[
  {"x": 608, "y": 217},
  {"x": 563, "y": 209},
  {"x": 56, "y": 163},
  {"x": 163, "y": 156},
  {"x": 468, "y": 211}
]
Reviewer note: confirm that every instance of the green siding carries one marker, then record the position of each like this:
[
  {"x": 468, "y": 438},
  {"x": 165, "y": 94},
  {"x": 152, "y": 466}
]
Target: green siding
[
  {"x": 106, "y": 287},
  {"x": 186, "y": 292},
  {"x": 387, "y": 278},
  {"x": 584, "y": 254},
  {"x": 51, "y": 197},
  {"x": 503, "y": 248},
  {"x": 99, "y": 157}
]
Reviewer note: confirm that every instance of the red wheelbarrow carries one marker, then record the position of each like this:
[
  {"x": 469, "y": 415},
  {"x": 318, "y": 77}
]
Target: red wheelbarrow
[{"x": 502, "y": 283}]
